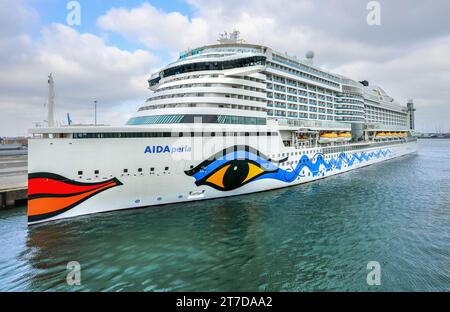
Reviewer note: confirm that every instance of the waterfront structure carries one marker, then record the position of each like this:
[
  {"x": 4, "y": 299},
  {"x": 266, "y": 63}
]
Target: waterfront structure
[{"x": 225, "y": 119}]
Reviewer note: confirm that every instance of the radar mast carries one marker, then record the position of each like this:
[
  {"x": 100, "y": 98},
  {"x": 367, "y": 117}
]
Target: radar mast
[{"x": 230, "y": 37}]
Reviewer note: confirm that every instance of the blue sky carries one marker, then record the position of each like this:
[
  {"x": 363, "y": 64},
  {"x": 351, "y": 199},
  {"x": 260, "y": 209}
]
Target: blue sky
[
  {"x": 55, "y": 11},
  {"x": 110, "y": 56}
]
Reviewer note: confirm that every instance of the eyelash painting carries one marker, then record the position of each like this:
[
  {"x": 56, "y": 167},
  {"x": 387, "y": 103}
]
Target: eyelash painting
[{"x": 233, "y": 167}]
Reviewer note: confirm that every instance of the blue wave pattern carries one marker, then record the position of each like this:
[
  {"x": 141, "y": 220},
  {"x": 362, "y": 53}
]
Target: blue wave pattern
[{"x": 318, "y": 165}]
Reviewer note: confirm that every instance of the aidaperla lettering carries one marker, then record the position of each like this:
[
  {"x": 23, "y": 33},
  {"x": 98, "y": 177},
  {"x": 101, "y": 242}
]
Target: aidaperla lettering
[{"x": 159, "y": 149}]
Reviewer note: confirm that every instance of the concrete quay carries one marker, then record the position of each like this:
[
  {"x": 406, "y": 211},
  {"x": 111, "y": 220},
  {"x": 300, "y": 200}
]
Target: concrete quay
[{"x": 13, "y": 180}]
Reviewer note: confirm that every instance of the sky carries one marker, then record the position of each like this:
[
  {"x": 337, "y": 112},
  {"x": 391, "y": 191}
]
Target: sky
[{"x": 109, "y": 55}]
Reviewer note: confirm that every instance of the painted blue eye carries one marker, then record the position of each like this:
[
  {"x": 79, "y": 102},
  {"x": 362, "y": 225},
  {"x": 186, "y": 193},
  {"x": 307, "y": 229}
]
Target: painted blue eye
[
  {"x": 232, "y": 168},
  {"x": 232, "y": 175}
]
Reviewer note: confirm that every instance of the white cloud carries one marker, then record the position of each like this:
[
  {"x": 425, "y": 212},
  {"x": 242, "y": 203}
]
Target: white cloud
[
  {"x": 422, "y": 74},
  {"x": 16, "y": 17},
  {"x": 154, "y": 28},
  {"x": 84, "y": 67}
]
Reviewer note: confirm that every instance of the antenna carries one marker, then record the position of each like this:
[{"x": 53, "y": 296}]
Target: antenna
[{"x": 51, "y": 101}]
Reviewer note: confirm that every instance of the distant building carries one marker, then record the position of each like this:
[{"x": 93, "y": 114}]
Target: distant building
[
  {"x": 14, "y": 141},
  {"x": 433, "y": 135}
]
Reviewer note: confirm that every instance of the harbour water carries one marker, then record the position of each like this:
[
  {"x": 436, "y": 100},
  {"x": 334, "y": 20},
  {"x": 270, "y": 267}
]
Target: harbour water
[{"x": 314, "y": 237}]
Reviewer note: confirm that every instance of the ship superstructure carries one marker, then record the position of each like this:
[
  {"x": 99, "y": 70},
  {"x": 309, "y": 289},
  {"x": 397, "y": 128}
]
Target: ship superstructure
[{"x": 224, "y": 119}]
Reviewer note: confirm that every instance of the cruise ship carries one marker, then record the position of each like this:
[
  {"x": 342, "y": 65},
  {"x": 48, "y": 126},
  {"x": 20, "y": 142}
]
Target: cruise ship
[{"x": 224, "y": 119}]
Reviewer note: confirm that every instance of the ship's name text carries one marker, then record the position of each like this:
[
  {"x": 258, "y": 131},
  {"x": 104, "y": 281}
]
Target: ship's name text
[{"x": 160, "y": 149}]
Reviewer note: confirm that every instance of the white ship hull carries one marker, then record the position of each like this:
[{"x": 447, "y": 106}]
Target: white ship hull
[
  {"x": 73, "y": 177},
  {"x": 223, "y": 120}
]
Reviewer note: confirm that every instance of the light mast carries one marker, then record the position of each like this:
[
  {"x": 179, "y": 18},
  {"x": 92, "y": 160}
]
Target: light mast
[{"x": 51, "y": 101}]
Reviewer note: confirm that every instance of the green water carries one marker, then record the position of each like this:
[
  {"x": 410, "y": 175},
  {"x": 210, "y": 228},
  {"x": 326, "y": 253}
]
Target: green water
[{"x": 317, "y": 236}]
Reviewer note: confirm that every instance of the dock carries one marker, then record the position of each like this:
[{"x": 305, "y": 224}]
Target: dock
[{"x": 13, "y": 179}]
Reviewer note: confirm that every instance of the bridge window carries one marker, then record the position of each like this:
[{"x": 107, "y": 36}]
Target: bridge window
[{"x": 201, "y": 66}]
